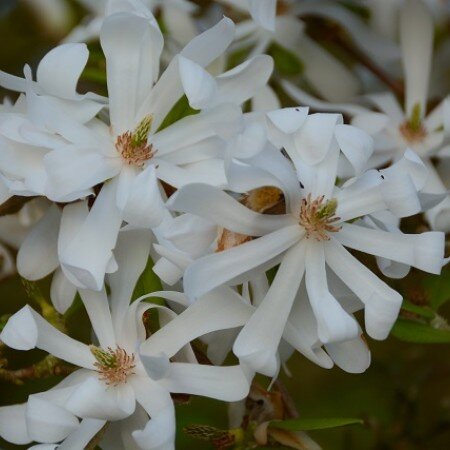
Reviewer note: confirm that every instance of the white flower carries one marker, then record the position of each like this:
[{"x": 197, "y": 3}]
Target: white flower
[
  {"x": 118, "y": 379},
  {"x": 312, "y": 235},
  {"x": 176, "y": 16},
  {"x": 56, "y": 80},
  {"x": 278, "y": 22},
  {"x": 395, "y": 129},
  {"x": 132, "y": 153}
]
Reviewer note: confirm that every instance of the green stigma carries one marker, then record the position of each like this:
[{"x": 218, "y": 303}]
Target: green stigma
[
  {"x": 415, "y": 120},
  {"x": 140, "y": 134},
  {"x": 105, "y": 358},
  {"x": 328, "y": 209}
]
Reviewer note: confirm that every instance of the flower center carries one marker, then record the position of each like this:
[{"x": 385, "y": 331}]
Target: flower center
[
  {"x": 114, "y": 366},
  {"x": 133, "y": 146},
  {"x": 413, "y": 134},
  {"x": 318, "y": 217},
  {"x": 412, "y": 129}
]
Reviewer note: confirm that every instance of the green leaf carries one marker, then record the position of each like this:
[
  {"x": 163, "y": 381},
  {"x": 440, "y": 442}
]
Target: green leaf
[
  {"x": 420, "y": 333},
  {"x": 180, "y": 110},
  {"x": 148, "y": 282},
  {"x": 286, "y": 62},
  {"x": 314, "y": 424},
  {"x": 438, "y": 288}
]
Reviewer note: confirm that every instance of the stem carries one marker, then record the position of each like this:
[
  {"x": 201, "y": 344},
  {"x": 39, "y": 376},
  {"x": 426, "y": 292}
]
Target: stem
[{"x": 49, "y": 366}]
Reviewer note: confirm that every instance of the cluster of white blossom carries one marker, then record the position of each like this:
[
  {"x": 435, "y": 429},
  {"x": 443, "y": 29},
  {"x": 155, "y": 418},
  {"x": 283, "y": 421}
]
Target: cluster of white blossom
[{"x": 249, "y": 210}]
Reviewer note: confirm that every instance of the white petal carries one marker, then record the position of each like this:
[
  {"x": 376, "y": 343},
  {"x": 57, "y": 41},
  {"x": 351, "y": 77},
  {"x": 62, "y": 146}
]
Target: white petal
[
  {"x": 378, "y": 191},
  {"x": 382, "y": 304},
  {"x": 13, "y": 426},
  {"x": 200, "y": 87},
  {"x": 94, "y": 399},
  {"x": 206, "y": 47},
  {"x": 72, "y": 171},
  {"x": 387, "y": 103},
  {"x": 416, "y": 36},
  {"x": 144, "y": 207},
  {"x": 62, "y": 292},
  {"x": 194, "y": 129},
  {"x": 131, "y": 252},
  {"x": 316, "y": 137},
  {"x": 87, "y": 255},
  {"x": 331, "y": 78},
  {"x": 265, "y": 99},
  {"x": 438, "y": 216},
  {"x": 264, "y": 12},
  {"x": 301, "y": 331},
  {"x": 219, "y": 310},
  {"x": 334, "y": 323},
  {"x": 255, "y": 346},
  {"x": 97, "y": 307},
  {"x": 214, "y": 270},
  {"x": 132, "y": 46},
  {"x": 47, "y": 422},
  {"x": 203, "y": 50},
  {"x": 424, "y": 251},
  {"x": 352, "y": 356},
  {"x": 26, "y": 330},
  {"x": 288, "y": 120},
  {"x": 218, "y": 207},
  {"x": 83, "y": 435},
  {"x": 304, "y": 98},
  {"x": 38, "y": 255},
  {"x": 191, "y": 234},
  {"x": 356, "y": 145},
  {"x": 224, "y": 383},
  {"x": 242, "y": 82},
  {"x": 59, "y": 70},
  {"x": 159, "y": 433}
]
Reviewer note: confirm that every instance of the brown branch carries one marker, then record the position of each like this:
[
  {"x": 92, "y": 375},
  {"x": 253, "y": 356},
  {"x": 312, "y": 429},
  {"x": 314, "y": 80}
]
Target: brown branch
[{"x": 49, "y": 366}]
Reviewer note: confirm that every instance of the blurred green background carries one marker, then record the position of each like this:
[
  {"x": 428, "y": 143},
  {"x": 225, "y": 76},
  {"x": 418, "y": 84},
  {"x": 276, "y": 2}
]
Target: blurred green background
[{"x": 404, "y": 398}]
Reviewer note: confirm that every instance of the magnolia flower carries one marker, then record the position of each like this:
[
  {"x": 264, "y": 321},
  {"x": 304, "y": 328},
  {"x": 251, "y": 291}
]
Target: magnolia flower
[
  {"x": 131, "y": 154},
  {"x": 395, "y": 129},
  {"x": 176, "y": 16},
  {"x": 277, "y": 22},
  {"x": 122, "y": 376},
  {"x": 320, "y": 221},
  {"x": 219, "y": 317},
  {"x": 57, "y": 77}
]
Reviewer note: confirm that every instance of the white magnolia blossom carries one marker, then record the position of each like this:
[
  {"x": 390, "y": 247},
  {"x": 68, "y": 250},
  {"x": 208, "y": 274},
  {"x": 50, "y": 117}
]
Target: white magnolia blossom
[
  {"x": 123, "y": 378},
  {"x": 321, "y": 221},
  {"x": 395, "y": 128},
  {"x": 176, "y": 16},
  {"x": 132, "y": 154},
  {"x": 278, "y": 22},
  {"x": 253, "y": 213}
]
